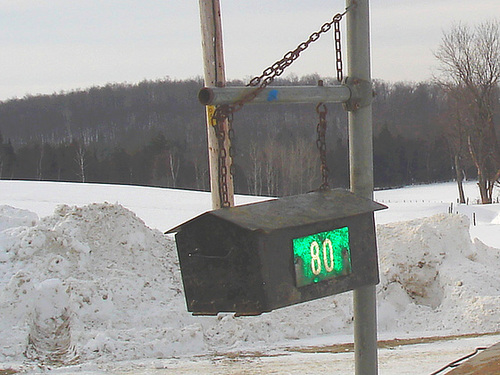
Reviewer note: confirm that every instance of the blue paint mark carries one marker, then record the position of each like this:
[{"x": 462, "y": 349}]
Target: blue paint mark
[{"x": 273, "y": 95}]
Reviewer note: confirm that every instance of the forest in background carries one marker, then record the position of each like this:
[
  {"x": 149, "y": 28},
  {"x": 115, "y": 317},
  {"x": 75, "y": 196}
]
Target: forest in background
[{"x": 153, "y": 133}]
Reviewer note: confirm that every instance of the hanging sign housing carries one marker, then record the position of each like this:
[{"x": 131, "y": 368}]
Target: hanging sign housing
[{"x": 259, "y": 257}]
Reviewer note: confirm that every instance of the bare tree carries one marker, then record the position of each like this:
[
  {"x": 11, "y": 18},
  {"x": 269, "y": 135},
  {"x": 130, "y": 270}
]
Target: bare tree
[
  {"x": 254, "y": 178},
  {"x": 200, "y": 162},
  {"x": 39, "y": 169},
  {"x": 452, "y": 122},
  {"x": 272, "y": 162},
  {"x": 67, "y": 116},
  {"x": 81, "y": 160},
  {"x": 470, "y": 66},
  {"x": 173, "y": 164},
  {"x": 299, "y": 167}
]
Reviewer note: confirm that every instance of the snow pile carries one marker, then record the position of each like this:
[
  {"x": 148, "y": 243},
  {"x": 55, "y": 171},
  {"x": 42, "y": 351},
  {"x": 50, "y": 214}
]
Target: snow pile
[
  {"x": 49, "y": 339},
  {"x": 496, "y": 220},
  {"x": 14, "y": 217},
  {"x": 117, "y": 279},
  {"x": 434, "y": 278},
  {"x": 95, "y": 283}
]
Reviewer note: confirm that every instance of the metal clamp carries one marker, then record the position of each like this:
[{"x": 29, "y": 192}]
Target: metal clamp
[{"x": 361, "y": 93}]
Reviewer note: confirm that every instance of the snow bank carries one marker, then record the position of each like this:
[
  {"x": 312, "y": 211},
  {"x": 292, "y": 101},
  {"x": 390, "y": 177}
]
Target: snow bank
[
  {"x": 434, "y": 278},
  {"x": 99, "y": 285},
  {"x": 15, "y": 217},
  {"x": 120, "y": 280}
]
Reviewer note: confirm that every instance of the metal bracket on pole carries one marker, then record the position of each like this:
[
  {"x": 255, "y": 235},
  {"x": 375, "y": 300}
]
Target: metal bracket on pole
[{"x": 361, "y": 93}]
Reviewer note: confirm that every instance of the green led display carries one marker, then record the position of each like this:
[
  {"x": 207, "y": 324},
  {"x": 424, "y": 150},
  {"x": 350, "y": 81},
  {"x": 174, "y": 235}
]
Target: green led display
[{"x": 322, "y": 256}]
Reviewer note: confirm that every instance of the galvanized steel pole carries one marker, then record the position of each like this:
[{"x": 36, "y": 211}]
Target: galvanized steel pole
[
  {"x": 276, "y": 95},
  {"x": 361, "y": 178}
]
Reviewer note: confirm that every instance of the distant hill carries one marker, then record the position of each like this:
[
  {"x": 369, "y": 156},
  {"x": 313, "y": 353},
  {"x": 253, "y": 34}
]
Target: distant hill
[
  {"x": 116, "y": 114},
  {"x": 153, "y": 133}
]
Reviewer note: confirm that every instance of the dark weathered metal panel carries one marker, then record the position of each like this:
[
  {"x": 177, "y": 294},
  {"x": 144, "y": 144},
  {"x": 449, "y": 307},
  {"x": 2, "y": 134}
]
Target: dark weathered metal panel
[
  {"x": 298, "y": 210},
  {"x": 220, "y": 268}
]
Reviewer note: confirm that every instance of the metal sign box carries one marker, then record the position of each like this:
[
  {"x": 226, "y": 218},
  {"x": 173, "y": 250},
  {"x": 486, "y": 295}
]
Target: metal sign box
[{"x": 262, "y": 256}]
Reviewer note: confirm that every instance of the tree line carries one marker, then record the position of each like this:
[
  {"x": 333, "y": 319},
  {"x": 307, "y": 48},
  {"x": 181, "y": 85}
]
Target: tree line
[{"x": 153, "y": 133}]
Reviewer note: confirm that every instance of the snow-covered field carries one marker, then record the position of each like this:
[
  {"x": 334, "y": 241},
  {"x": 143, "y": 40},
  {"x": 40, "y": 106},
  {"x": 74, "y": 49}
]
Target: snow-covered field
[{"x": 88, "y": 280}]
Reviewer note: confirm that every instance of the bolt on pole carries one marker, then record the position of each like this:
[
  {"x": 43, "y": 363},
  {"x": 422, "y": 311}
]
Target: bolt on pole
[
  {"x": 361, "y": 178},
  {"x": 214, "y": 74}
]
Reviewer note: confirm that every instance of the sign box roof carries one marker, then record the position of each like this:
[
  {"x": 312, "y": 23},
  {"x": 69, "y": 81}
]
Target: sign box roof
[{"x": 293, "y": 211}]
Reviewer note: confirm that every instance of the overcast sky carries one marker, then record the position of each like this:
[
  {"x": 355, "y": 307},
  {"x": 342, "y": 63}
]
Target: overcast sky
[{"x": 52, "y": 45}]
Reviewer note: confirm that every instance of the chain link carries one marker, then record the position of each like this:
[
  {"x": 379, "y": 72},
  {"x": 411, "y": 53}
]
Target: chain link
[
  {"x": 321, "y": 144},
  {"x": 338, "y": 50},
  {"x": 220, "y": 116},
  {"x": 275, "y": 70},
  {"x": 225, "y": 112}
]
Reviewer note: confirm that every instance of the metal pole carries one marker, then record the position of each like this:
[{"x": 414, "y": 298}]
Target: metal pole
[
  {"x": 276, "y": 95},
  {"x": 213, "y": 61},
  {"x": 361, "y": 178}
]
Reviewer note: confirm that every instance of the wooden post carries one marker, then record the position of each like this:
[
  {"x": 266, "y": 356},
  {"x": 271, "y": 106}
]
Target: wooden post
[{"x": 213, "y": 61}]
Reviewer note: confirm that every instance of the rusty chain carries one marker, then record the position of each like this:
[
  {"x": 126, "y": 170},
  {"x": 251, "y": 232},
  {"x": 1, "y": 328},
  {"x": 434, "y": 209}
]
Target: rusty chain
[
  {"x": 225, "y": 112},
  {"x": 338, "y": 50},
  {"x": 218, "y": 119}
]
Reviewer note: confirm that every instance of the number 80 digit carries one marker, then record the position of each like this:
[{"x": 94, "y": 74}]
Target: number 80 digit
[{"x": 327, "y": 256}]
